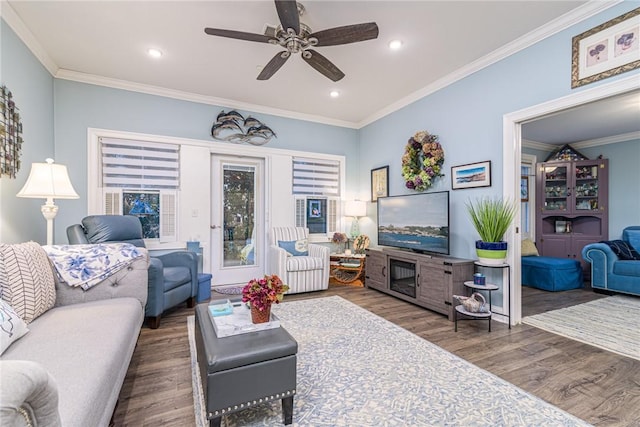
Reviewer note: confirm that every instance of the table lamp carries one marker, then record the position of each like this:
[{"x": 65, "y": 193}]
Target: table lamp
[
  {"x": 356, "y": 209},
  {"x": 48, "y": 181}
]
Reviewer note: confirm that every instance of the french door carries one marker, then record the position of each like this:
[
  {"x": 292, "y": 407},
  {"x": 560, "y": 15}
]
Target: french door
[{"x": 237, "y": 219}]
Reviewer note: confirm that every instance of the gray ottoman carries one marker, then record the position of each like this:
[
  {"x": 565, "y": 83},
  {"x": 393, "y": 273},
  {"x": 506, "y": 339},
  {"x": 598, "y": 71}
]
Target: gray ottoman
[{"x": 244, "y": 370}]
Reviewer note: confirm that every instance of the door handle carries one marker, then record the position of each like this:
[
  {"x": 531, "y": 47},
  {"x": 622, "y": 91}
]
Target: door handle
[{"x": 213, "y": 227}]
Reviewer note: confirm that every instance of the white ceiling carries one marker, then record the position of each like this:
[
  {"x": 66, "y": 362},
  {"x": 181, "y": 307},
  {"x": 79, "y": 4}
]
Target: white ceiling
[
  {"x": 606, "y": 121},
  {"x": 97, "y": 41},
  {"x": 105, "y": 42}
]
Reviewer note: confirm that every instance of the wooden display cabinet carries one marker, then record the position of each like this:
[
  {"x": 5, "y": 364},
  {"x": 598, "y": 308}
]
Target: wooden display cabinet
[{"x": 572, "y": 207}]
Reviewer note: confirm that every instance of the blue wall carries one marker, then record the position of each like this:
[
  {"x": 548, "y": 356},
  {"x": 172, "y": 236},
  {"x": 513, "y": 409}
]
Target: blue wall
[
  {"x": 32, "y": 89},
  {"x": 79, "y": 106},
  {"x": 624, "y": 177},
  {"x": 468, "y": 117}
]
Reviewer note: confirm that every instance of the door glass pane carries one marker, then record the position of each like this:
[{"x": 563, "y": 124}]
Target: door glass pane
[
  {"x": 239, "y": 215},
  {"x": 555, "y": 189}
]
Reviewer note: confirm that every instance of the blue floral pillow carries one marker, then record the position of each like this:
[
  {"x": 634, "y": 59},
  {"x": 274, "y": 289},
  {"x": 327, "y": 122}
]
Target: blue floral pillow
[
  {"x": 12, "y": 326},
  {"x": 295, "y": 247},
  {"x": 623, "y": 250}
]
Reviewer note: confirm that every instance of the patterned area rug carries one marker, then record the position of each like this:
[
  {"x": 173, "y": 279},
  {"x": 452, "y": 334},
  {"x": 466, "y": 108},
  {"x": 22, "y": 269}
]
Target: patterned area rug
[
  {"x": 611, "y": 323},
  {"x": 357, "y": 369}
]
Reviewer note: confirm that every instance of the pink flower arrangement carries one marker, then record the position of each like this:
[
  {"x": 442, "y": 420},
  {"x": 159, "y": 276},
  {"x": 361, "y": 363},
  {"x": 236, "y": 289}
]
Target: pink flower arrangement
[{"x": 261, "y": 293}]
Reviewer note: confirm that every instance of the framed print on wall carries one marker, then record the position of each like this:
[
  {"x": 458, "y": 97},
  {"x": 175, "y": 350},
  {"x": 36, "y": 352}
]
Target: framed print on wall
[
  {"x": 471, "y": 175},
  {"x": 379, "y": 183},
  {"x": 607, "y": 50}
]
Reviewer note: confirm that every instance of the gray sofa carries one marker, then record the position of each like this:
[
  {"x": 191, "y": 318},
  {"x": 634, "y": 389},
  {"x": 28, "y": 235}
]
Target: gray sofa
[{"x": 78, "y": 352}]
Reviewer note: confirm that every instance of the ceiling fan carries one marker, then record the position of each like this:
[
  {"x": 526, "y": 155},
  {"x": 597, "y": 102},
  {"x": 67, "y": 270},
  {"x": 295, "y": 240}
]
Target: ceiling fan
[{"x": 294, "y": 36}]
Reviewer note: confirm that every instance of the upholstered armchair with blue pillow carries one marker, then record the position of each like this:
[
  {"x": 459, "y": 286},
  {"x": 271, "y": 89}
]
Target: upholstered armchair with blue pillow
[
  {"x": 301, "y": 265},
  {"x": 173, "y": 277},
  {"x": 615, "y": 264}
]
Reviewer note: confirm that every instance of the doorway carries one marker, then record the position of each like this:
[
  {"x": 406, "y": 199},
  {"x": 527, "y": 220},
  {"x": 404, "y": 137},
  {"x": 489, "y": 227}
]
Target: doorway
[
  {"x": 237, "y": 219},
  {"x": 512, "y": 160}
]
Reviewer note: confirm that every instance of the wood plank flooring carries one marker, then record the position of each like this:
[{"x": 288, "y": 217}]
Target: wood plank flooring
[{"x": 599, "y": 387}]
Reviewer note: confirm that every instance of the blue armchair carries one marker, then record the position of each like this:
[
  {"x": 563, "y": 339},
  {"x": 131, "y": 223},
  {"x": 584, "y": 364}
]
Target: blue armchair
[
  {"x": 615, "y": 273},
  {"x": 173, "y": 277}
]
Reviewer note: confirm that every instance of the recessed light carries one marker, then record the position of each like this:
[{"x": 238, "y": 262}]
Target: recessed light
[
  {"x": 154, "y": 53},
  {"x": 395, "y": 44},
  {"x": 334, "y": 94}
]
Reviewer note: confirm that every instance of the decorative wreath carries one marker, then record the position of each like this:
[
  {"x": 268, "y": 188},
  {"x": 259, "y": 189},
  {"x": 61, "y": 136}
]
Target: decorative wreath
[{"x": 422, "y": 161}]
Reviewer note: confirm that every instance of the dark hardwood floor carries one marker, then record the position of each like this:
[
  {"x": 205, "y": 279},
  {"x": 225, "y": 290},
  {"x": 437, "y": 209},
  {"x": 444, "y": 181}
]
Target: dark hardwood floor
[{"x": 597, "y": 386}]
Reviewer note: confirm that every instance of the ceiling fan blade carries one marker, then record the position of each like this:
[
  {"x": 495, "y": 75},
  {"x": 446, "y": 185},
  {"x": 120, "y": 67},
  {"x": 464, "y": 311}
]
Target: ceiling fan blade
[
  {"x": 288, "y": 14},
  {"x": 347, "y": 34},
  {"x": 274, "y": 65},
  {"x": 240, "y": 35},
  {"x": 322, "y": 65}
]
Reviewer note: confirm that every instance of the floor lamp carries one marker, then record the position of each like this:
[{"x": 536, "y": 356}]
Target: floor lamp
[
  {"x": 356, "y": 209},
  {"x": 48, "y": 181}
]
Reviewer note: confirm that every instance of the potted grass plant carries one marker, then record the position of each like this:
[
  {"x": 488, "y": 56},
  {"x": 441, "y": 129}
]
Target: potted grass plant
[{"x": 491, "y": 217}]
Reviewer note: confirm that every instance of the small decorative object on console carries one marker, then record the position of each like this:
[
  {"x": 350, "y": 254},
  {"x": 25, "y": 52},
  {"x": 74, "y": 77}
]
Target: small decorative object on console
[
  {"x": 473, "y": 304},
  {"x": 261, "y": 293},
  {"x": 361, "y": 243},
  {"x": 479, "y": 279}
]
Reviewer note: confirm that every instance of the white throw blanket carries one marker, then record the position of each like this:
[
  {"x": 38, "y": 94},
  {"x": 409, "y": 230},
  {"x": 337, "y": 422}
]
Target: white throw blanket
[{"x": 88, "y": 265}]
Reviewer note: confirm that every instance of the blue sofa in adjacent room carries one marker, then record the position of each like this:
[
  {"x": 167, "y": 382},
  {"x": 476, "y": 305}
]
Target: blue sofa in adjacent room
[{"x": 615, "y": 265}]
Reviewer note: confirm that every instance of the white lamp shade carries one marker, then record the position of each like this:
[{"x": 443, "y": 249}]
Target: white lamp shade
[
  {"x": 355, "y": 208},
  {"x": 48, "y": 180}
]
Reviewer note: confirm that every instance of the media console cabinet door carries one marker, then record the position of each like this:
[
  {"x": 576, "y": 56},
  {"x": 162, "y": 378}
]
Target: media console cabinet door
[
  {"x": 433, "y": 284},
  {"x": 375, "y": 268}
]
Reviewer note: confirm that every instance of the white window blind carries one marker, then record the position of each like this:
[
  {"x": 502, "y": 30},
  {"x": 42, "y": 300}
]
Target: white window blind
[
  {"x": 316, "y": 177},
  {"x": 139, "y": 164}
]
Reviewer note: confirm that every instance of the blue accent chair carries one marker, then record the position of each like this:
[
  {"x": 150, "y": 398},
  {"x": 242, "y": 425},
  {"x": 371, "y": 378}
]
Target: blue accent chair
[
  {"x": 173, "y": 277},
  {"x": 610, "y": 273}
]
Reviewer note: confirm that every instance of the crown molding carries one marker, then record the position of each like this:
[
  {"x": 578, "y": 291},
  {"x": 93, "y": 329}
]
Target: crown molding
[
  {"x": 614, "y": 139},
  {"x": 535, "y": 145},
  {"x": 578, "y": 145},
  {"x": 194, "y": 97},
  {"x": 561, "y": 23},
  {"x": 13, "y": 20}
]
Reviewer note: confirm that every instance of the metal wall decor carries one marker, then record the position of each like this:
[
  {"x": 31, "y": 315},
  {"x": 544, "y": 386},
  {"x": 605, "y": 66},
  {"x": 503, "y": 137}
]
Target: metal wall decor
[
  {"x": 10, "y": 135},
  {"x": 233, "y": 127}
]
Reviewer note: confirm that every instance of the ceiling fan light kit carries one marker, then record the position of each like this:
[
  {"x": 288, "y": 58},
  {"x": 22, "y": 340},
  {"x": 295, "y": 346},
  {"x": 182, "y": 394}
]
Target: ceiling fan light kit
[{"x": 296, "y": 37}]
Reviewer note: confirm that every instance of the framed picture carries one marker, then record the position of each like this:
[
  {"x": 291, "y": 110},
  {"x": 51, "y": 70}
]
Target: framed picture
[
  {"x": 315, "y": 209},
  {"x": 524, "y": 188},
  {"x": 607, "y": 50},
  {"x": 471, "y": 175},
  {"x": 379, "y": 183}
]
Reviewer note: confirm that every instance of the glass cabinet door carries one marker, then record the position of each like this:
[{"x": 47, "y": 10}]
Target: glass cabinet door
[
  {"x": 556, "y": 187},
  {"x": 586, "y": 188}
]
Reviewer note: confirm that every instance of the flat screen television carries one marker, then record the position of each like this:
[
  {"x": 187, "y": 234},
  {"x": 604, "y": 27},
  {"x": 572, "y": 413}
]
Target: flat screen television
[{"x": 419, "y": 222}]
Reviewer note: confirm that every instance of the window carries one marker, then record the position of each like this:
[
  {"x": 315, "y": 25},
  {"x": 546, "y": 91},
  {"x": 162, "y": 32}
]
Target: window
[
  {"x": 141, "y": 178},
  {"x": 316, "y": 187}
]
